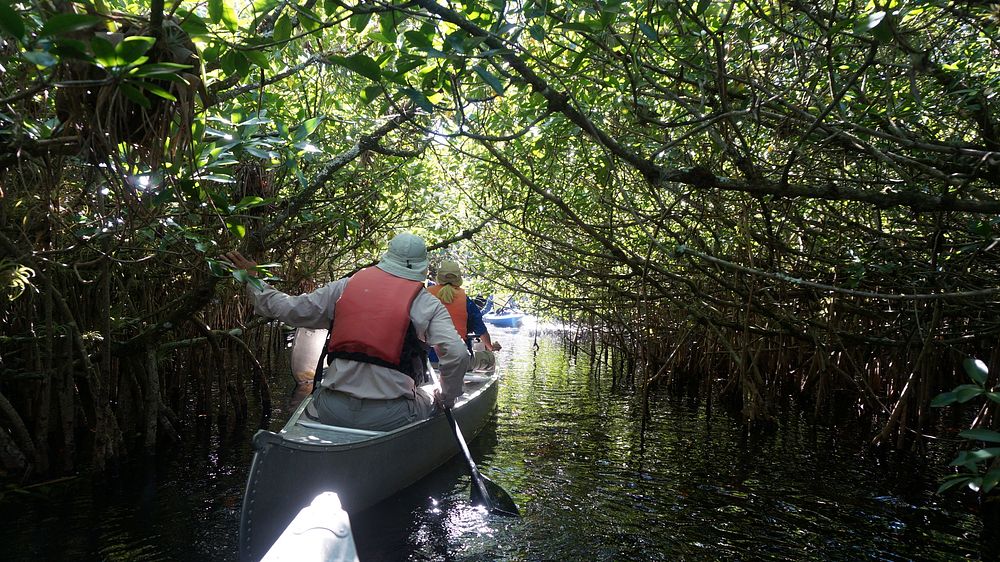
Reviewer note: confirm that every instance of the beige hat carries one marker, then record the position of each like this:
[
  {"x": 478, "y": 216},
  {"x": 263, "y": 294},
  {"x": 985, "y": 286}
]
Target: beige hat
[
  {"x": 406, "y": 257},
  {"x": 449, "y": 273}
]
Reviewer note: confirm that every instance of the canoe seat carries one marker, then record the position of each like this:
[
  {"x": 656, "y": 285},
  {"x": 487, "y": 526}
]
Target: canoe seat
[{"x": 354, "y": 430}]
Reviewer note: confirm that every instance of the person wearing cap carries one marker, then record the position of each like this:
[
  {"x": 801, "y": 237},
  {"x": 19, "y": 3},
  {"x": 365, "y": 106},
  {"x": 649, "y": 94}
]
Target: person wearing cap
[
  {"x": 465, "y": 315},
  {"x": 381, "y": 321}
]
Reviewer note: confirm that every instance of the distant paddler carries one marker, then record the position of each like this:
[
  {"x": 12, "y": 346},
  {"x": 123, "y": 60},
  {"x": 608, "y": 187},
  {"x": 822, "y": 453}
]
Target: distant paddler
[{"x": 465, "y": 315}]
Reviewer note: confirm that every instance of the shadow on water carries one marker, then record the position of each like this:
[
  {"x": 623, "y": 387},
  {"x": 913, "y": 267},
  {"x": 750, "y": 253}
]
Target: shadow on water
[
  {"x": 591, "y": 485},
  {"x": 178, "y": 506}
]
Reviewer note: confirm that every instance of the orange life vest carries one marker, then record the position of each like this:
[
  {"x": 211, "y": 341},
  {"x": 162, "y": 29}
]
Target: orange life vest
[
  {"x": 371, "y": 322},
  {"x": 456, "y": 308}
]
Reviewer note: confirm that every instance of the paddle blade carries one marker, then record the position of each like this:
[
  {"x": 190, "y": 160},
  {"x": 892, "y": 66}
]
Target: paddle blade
[{"x": 499, "y": 501}]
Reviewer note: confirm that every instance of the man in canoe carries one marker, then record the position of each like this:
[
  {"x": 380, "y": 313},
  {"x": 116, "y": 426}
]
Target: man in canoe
[{"x": 381, "y": 320}]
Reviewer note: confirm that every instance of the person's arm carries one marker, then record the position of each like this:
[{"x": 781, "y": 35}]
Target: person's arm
[
  {"x": 488, "y": 343},
  {"x": 478, "y": 327},
  {"x": 308, "y": 310}
]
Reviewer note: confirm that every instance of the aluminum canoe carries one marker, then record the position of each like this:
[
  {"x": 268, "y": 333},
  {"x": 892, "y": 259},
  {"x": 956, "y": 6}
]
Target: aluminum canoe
[{"x": 306, "y": 458}]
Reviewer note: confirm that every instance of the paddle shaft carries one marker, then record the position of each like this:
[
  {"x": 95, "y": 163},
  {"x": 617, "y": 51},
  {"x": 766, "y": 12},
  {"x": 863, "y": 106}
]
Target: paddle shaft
[
  {"x": 477, "y": 479},
  {"x": 497, "y": 500}
]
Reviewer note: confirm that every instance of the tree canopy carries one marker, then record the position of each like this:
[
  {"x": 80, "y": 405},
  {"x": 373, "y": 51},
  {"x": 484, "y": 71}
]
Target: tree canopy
[{"x": 763, "y": 199}]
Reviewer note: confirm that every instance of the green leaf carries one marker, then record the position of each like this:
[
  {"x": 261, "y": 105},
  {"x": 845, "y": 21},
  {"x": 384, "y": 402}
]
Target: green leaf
[
  {"x": 867, "y": 23},
  {"x": 248, "y": 202},
  {"x": 217, "y": 268},
  {"x": 981, "y": 435},
  {"x": 217, "y": 178},
  {"x": 215, "y": 10},
  {"x": 221, "y": 11},
  {"x": 360, "y": 21},
  {"x": 994, "y": 396},
  {"x": 489, "y": 78},
  {"x": 104, "y": 52},
  {"x": 260, "y": 58},
  {"x": 648, "y": 31},
  {"x": 156, "y": 90},
  {"x": 309, "y": 125},
  {"x": 973, "y": 458},
  {"x": 436, "y": 54},
  {"x": 263, "y": 6},
  {"x": 944, "y": 399},
  {"x": 388, "y": 22},
  {"x": 164, "y": 196},
  {"x": 164, "y": 70},
  {"x": 953, "y": 481},
  {"x": 578, "y": 62},
  {"x": 131, "y": 48},
  {"x": 370, "y": 93},
  {"x": 134, "y": 94},
  {"x": 10, "y": 21},
  {"x": 228, "y": 62},
  {"x": 65, "y": 23},
  {"x": 976, "y": 370},
  {"x": 362, "y": 64},
  {"x": 307, "y": 18},
  {"x": 419, "y": 39},
  {"x": 259, "y": 153},
  {"x": 883, "y": 31},
  {"x": 70, "y": 48},
  {"x": 193, "y": 24},
  {"x": 419, "y": 98},
  {"x": 283, "y": 28},
  {"x": 242, "y": 275},
  {"x": 967, "y": 392},
  {"x": 237, "y": 229}
]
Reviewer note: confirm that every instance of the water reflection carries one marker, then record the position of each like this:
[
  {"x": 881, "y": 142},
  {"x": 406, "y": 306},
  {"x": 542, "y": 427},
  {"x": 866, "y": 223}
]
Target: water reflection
[{"x": 591, "y": 485}]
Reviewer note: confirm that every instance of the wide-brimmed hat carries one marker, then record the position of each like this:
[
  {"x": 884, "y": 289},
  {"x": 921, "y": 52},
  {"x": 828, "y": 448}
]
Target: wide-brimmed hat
[
  {"x": 449, "y": 273},
  {"x": 406, "y": 257}
]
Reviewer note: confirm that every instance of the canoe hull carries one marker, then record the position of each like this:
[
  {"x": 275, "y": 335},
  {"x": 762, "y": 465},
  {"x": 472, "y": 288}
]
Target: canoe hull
[
  {"x": 503, "y": 320},
  {"x": 294, "y": 466}
]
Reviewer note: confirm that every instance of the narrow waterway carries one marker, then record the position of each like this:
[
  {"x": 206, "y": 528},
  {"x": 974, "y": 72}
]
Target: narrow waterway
[{"x": 590, "y": 485}]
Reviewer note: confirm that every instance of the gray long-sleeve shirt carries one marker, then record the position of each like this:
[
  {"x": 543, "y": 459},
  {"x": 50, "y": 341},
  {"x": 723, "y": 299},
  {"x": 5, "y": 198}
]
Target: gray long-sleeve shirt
[{"x": 431, "y": 322}]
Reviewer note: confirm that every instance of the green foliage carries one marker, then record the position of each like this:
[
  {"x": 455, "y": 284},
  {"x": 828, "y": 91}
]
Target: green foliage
[
  {"x": 362, "y": 64},
  {"x": 796, "y": 141},
  {"x": 11, "y": 22},
  {"x": 980, "y": 469}
]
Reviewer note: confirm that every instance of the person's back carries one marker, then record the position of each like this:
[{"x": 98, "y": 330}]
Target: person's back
[
  {"x": 465, "y": 314},
  {"x": 381, "y": 319}
]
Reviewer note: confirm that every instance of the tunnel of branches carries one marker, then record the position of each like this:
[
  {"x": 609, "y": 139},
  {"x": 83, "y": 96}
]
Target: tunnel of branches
[{"x": 770, "y": 205}]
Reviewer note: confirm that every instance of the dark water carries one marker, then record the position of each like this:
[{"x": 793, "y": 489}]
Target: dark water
[{"x": 572, "y": 456}]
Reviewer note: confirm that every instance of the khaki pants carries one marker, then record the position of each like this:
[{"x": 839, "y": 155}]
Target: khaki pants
[{"x": 336, "y": 408}]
